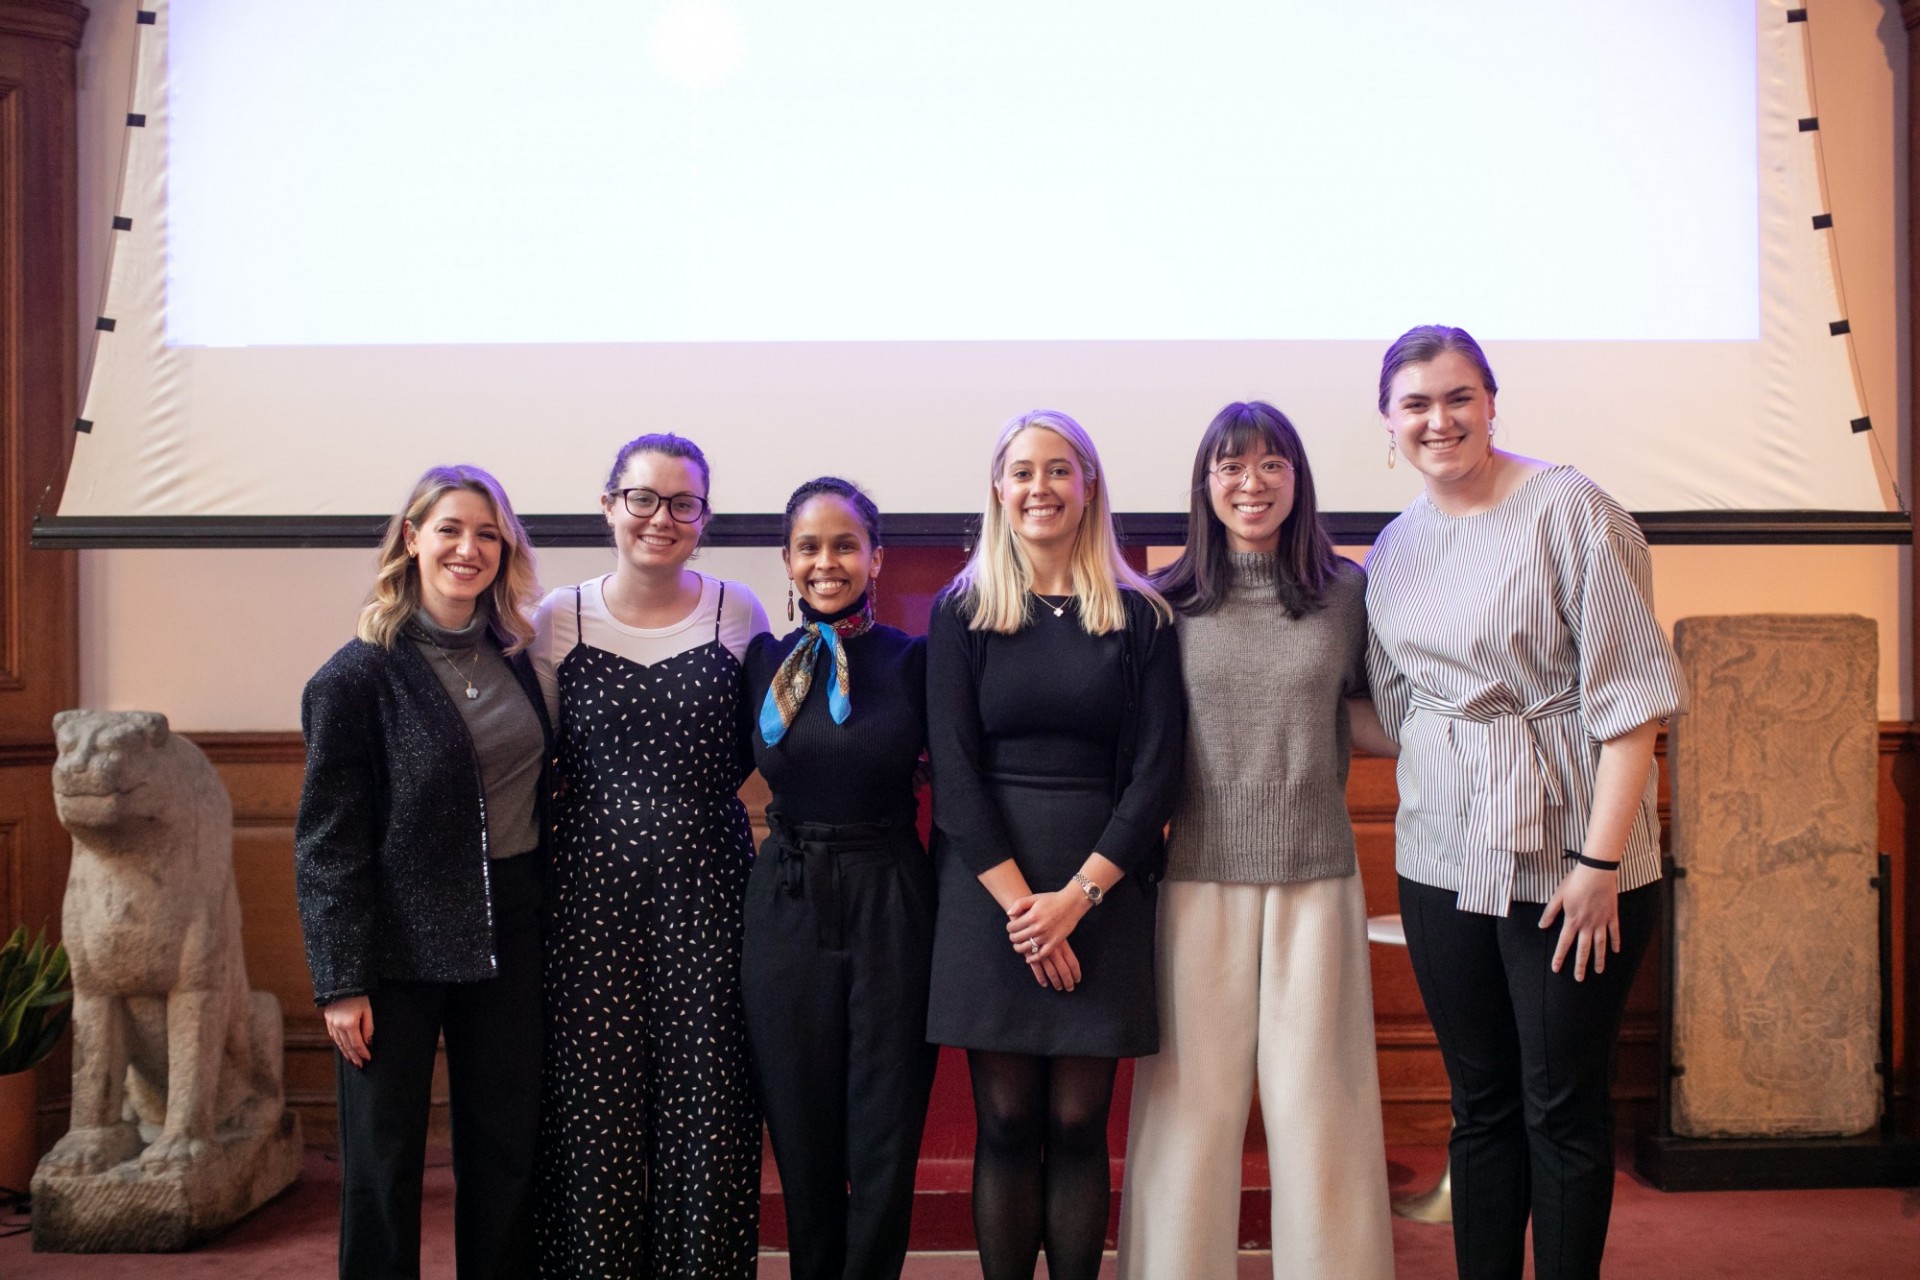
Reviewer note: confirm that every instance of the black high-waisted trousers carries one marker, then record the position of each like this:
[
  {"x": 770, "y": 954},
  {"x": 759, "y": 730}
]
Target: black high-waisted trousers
[
  {"x": 1529, "y": 1054},
  {"x": 834, "y": 972}
]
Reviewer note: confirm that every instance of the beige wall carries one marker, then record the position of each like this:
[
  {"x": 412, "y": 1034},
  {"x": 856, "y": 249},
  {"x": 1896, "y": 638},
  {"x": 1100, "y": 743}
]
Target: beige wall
[{"x": 223, "y": 640}]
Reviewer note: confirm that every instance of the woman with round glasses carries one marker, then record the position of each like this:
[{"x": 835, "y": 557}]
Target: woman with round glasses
[
  {"x": 1516, "y": 658},
  {"x": 1263, "y": 973},
  {"x": 1055, "y": 723},
  {"x": 650, "y": 1139}
]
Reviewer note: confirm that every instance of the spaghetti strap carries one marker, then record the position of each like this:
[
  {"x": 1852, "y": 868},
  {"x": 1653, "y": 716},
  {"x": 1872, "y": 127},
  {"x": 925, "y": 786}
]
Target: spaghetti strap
[
  {"x": 576, "y": 613},
  {"x": 720, "y": 609}
]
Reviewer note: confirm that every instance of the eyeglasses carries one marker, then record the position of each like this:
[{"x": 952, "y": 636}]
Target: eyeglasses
[
  {"x": 686, "y": 508},
  {"x": 1233, "y": 474}
]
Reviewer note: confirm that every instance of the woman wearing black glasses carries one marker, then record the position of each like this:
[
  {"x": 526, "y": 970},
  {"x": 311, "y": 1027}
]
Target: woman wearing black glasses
[{"x": 650, "y": 1140}]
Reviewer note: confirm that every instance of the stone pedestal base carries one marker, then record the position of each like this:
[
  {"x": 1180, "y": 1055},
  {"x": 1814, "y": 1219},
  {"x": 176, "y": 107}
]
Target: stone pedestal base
[
  {"x": 1776, "y": 1164},
  {"x": 126, "y": 1210}
]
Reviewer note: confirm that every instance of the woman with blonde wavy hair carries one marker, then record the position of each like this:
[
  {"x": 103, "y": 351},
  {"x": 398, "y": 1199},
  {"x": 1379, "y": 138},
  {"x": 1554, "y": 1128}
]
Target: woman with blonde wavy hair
[
  {"x": 1056, "y": 726},
  {"x": 418, "y": 856}
]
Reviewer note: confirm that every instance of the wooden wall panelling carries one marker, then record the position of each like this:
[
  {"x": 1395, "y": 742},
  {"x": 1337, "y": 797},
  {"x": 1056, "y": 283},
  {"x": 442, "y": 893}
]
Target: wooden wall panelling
[
  {"x": 38, "y": 598},
  {"x": 262, "y": 772}
]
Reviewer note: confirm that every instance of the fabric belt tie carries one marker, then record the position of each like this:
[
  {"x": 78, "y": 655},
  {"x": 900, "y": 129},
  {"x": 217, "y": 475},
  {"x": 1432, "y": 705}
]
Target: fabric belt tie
[
  {"x": 1516, "y": 784},
  {"x": 810, "y": 856}
]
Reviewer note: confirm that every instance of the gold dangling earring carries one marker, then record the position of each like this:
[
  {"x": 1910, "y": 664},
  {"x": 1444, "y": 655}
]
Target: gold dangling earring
[
  {"x": 789, "y": 602},
  {"x": 1392, "y": 453}
]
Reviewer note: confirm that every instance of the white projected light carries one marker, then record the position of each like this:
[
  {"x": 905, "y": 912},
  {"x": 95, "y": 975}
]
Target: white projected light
[
  {"x": 1002, "y": 169},
  {"x": 856, "y": 236},
  {"x": 698, "y": 44}
]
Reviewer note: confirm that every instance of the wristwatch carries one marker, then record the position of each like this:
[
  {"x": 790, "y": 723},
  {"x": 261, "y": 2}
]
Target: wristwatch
[{"x": 1095, "y": 894}]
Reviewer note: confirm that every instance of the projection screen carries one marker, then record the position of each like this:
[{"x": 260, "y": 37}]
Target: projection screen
[{"x": 358, "y": 238}]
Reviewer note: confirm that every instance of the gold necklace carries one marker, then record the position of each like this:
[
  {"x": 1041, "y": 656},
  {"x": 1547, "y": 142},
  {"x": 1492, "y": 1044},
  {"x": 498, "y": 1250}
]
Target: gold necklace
[
  {"x": 466, "y": 676},
  {"x": 1059, "y": 610}
]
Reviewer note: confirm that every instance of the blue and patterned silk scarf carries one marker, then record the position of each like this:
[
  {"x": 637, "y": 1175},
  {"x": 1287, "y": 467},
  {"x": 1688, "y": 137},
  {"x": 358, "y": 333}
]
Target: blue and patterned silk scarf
[{"x": 794, "y": 679}]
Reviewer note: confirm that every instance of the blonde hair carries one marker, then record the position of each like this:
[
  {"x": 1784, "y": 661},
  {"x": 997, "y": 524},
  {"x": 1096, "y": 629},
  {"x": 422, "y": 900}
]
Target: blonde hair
[
  {"x": 396, "y": 584},
  {"x": 995, "y": 587}
]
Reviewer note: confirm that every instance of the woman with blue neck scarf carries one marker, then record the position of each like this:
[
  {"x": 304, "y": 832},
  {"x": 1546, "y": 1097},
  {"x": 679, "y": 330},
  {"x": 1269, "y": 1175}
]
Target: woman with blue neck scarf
[{"x": 839, "y": 915}]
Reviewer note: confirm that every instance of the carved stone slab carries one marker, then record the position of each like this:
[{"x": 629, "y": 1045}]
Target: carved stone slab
[{"x": 1776, "y": 1006}]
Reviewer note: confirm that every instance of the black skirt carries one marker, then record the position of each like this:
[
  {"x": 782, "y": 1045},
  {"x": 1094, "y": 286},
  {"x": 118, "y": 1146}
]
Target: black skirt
[{"x": 984, "y": 995}]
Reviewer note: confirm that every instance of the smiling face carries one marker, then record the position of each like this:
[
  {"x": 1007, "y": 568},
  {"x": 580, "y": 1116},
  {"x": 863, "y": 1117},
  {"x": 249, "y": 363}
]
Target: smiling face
[
  {"x": 1440, "y": 415},
  {"x": 829, "y": 555},
  {"x": 1254, "y": 504},
  {"x": 658, "y": 543},
  {"x": 1042, "y": 488},
  {"x": 457, "y": 551}
]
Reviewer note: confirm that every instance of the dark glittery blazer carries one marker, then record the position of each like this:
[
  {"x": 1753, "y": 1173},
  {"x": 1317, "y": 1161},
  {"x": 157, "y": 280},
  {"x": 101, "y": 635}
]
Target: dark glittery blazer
[{"x": 390, "y": 852}]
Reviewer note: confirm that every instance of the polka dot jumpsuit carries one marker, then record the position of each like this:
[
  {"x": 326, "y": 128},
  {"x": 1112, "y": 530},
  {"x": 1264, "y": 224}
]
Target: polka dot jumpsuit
[{"x": 650, "y": 1139}]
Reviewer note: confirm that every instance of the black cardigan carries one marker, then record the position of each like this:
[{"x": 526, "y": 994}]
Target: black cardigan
[
  {"x": 1148, "y": 757},
  {"x": 390, "y": 857}
]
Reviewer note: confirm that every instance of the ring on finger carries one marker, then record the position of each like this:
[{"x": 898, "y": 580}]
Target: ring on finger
[{"x": 1033, "y": 946}]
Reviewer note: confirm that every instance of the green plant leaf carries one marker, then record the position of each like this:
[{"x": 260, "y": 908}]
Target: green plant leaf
[{"x": 35, "y": 999}]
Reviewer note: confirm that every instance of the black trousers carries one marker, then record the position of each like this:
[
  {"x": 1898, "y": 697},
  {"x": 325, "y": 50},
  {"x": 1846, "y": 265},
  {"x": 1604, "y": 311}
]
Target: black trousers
[
  {"x": 1529, "y": 1053},
  {"x": 492, "y": 1030},
  {"x": 834, "y": 972}
]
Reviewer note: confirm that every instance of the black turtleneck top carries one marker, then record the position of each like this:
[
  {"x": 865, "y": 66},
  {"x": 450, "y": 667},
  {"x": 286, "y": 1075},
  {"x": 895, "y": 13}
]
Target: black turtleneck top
[{"x": 860, "y": 771}]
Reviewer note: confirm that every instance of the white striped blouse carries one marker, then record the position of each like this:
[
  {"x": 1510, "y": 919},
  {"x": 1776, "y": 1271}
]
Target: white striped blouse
[{"x": 1504, "y": 648}]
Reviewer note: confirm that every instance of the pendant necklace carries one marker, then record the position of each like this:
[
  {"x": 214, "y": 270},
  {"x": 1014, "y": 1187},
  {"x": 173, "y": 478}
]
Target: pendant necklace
[
  {"x": 1059, "y": 610},
  {"x": 465, "y": 676}
]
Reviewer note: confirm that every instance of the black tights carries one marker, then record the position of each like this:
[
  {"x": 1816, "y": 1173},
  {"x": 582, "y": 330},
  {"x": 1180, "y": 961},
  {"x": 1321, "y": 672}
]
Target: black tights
[{"x": 1040, "y": 1169}]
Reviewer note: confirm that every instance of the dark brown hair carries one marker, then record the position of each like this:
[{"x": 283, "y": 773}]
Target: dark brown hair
[
  {"x": 1198, "y": 582},
  {"x": 660, "y": 442}
]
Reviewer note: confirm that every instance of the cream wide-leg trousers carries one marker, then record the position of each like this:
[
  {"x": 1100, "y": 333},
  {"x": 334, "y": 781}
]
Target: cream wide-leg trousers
[{"x": 1266, "y": 982}]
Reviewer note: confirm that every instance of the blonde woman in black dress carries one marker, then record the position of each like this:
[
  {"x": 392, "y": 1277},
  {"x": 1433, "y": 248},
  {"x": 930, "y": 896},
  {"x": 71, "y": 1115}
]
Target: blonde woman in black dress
[{"x": 1056, "y": 723}]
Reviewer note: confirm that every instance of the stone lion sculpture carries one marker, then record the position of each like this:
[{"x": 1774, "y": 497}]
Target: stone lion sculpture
[{"x": 176, "y": 1063}]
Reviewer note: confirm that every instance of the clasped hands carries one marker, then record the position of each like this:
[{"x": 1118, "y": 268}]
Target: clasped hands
[{"x": 1038, "y": 925}]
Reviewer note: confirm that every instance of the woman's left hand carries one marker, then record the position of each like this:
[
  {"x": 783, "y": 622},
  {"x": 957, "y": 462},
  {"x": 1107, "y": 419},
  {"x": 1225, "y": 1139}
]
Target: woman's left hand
[
  {"x": 1046, "y": 918},
  {"x": 1590, "y": 899}
]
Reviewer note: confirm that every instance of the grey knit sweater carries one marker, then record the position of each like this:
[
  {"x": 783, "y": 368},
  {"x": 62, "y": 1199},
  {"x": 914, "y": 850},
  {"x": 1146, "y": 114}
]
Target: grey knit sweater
[
  {"x": 1264, "y": 797},
  {"x": 508, "y": 743}
]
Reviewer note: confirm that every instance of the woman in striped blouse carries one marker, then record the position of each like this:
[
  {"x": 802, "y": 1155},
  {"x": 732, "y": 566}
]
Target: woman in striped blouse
[{"x": 1515, "y": 656}]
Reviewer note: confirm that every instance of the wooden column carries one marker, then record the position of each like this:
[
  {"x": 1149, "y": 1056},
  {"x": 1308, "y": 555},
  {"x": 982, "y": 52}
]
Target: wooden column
[
  {"x": 1906, "y": 911},
  {"x": 39, "y": 667}
]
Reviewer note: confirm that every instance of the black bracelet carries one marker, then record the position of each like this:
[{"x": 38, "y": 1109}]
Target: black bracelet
[{"x": 1596, "y": 863}]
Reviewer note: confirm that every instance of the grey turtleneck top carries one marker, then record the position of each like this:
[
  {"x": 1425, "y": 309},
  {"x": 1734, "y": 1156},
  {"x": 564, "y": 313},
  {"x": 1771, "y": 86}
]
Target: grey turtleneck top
[
  {"x": 1264, "y": 796},
  {"x": 501, "y": 720}
]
